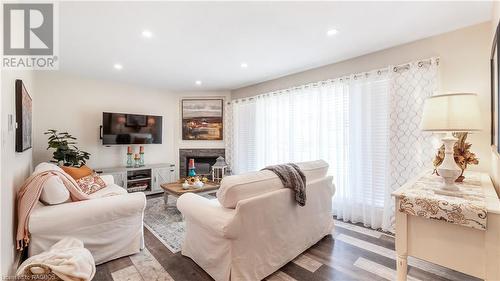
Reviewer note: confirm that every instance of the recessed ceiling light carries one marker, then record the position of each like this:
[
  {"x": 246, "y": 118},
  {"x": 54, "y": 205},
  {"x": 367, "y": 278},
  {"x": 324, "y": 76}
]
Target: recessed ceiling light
[
  {"x": 332, "y": 32},
  {"x": 244, "y": 65},
  {"x": 147, "y": 33},
  {"x": 198, "y": 82},
  {"x": 118, "y": 66}
]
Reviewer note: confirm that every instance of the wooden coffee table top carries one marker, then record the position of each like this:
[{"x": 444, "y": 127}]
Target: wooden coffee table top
[{"x": 176, "y": 189}]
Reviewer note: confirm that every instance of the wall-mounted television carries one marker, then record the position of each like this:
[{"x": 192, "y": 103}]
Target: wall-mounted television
[{"x": 123, "y": 128}]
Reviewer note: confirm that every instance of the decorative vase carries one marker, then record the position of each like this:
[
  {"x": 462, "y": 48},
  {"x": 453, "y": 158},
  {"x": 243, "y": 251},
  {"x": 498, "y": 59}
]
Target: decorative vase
[
  {"x": 129, "y": 160},
  {"x": 191, "y": 168},
  {"x": 129, "y": 157},
  {"x": 137, "y": 159},
  {"x": 141, "y": 152}
]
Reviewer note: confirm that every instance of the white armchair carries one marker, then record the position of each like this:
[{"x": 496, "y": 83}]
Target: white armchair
[
  {"x": 254, "y": 227},
  {"x": 109, "y": 226}
]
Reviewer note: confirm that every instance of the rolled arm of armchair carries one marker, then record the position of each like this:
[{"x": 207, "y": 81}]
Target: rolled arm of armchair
[
  {"x": 208, "y": 214},
  {"x": 87, "y": 212}
]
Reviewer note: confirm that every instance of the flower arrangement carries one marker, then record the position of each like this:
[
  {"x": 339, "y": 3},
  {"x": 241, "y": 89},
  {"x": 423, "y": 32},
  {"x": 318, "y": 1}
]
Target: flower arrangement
[{"x": 462, "y": 154}]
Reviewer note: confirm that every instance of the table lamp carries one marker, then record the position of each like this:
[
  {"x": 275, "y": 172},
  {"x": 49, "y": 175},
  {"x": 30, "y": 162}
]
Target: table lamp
[{"x": 448, "y": 113}]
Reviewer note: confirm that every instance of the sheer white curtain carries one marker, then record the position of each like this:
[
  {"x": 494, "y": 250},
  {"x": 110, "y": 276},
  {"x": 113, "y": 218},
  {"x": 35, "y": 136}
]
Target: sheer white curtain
[
  {"x": 354, "y": 123},
  {"x": 343, "y": 122},
  {"x": 294, "y": 125},
  {"x": 360, "y": 197}
]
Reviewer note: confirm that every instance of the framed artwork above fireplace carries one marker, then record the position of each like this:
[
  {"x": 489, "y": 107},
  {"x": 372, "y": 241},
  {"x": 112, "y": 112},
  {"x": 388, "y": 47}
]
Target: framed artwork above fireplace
[{"x": 202, "y": 119}]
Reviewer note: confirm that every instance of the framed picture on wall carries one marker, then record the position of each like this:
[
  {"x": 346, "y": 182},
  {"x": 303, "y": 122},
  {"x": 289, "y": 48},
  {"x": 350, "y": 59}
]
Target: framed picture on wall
[
  {"x": 23, "y": 117},
  {"x": 495, "y": 101},
  {"x": 202, "y": 119}
]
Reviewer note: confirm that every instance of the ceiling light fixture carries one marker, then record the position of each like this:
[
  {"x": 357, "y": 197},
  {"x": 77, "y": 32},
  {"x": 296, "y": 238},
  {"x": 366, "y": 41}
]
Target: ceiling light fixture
[
  {"x": 118, "y": 66},
  {"x": 147, "y": 33},
  {"x": 198, "y": 82},
  {"x": 244, "y": 65},
  {"x": 332, "y": 32}
]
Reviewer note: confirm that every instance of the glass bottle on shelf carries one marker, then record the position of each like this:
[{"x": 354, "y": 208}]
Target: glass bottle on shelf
[
  {"x": 141, "y": 153},
  {"x": 129, "y": 157},
  {"x": 137, "y": 160}
]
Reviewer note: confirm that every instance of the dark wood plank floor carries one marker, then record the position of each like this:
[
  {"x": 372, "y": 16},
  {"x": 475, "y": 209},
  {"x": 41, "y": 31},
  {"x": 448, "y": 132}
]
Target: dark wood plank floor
[{"x": 353, "y": 253}]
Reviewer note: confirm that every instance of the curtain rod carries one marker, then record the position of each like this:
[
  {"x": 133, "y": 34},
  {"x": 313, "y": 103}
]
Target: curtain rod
[{"x": 397, "y": 68}]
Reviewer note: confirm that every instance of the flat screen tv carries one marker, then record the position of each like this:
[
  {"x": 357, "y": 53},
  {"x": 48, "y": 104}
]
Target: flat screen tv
[{"x": 123, "y": 128}]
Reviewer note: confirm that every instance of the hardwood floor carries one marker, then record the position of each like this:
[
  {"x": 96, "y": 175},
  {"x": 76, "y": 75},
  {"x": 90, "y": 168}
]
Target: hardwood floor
[{"x": 353, "y": 253}]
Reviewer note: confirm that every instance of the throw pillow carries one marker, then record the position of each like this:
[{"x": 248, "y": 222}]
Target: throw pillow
[
  {"x": 77, "y": 173},
  {"x": 54, "y": 192},
  {"x": 91, "y": 183}
]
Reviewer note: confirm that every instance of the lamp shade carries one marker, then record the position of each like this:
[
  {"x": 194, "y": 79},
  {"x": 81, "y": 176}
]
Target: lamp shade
[{"x": 457, "y": 112}]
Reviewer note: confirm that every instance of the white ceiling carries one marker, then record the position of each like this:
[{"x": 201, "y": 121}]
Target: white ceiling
[{"x": 208, "y": 41}]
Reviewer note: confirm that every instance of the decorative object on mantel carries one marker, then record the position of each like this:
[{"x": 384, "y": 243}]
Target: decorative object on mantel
[
  {"x": 468, "y": 210},
  {"x": 191, "y": 168},
  {"x": 456, "y": 112},
  {"x": 24, "y": 108},
  {"x": 66, "y": 153},
  {"x": 202, "y": 119},
  {"x": 130, "y": 164},
  {"x": 219, "y": 169},
  {"x": 461, "y": 153}
]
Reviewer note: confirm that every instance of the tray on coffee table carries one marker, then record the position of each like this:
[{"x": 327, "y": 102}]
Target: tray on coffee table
[{"x": 175, "y": 189}]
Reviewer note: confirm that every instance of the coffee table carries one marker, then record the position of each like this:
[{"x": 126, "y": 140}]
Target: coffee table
[{"x": 175, "y": 189}]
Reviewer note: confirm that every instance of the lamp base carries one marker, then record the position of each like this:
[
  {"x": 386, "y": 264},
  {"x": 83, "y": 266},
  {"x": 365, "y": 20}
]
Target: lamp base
[{"x": 449, "y": 170}]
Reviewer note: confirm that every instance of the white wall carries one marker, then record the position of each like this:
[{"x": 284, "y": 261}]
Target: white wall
[
  {"x": 74, "y": 104},
  {"x": 464, "y": 66},
  {"x": 16, "y": 167}
]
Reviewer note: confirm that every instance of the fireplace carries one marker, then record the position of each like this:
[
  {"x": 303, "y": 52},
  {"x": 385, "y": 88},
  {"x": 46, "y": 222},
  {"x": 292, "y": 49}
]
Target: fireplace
[{"x": 203, "y": 160}]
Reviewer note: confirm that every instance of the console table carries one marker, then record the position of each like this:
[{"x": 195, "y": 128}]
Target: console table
[
  {"x": 147, "y": 178},
  {"x": 468, "y": 250}
]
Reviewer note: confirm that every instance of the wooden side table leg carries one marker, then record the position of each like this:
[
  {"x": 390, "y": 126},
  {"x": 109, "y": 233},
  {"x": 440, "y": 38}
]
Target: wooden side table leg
[
  {"x": 402, "y": 267},
  {"x": 401, "y": 243},
  {"x": 165, "y": 197}
]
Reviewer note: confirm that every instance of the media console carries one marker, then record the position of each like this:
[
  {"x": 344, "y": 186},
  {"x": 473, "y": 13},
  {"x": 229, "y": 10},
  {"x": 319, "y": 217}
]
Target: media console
[{"x": 147, "y": 178}]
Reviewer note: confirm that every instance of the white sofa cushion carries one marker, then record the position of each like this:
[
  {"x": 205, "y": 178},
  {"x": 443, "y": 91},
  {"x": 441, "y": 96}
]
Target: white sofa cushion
[
  {"x": 247, "y": 185},
  {"x": 54, "y": 192},
  {"x": 109, "y": 190}
]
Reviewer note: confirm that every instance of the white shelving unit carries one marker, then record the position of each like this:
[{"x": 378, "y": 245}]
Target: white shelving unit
[{"x": 136, "y": 178}]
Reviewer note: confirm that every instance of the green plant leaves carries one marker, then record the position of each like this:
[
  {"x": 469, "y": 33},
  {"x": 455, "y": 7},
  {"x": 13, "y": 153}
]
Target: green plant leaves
[{"x": 66, "y": 150}]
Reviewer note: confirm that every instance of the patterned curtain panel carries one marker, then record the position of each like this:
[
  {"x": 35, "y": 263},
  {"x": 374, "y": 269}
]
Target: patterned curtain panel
[
  {"x": 228, "y": 132},
  {"x": 411, "y": 150},
  {"x": 366, "y": 126}
]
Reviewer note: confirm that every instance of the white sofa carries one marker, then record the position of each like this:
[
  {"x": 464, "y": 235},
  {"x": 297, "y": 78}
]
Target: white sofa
[
  {"x": 109, "y": 226},
  {"x": 254, "y": 227}
]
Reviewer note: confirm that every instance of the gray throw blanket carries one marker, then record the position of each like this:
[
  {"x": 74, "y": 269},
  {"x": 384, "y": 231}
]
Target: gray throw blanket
[{"x": 292, "y": 177}]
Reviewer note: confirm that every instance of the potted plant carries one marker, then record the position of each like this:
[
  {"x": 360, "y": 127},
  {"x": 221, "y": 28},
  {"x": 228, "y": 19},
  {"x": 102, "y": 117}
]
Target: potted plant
[{"x": 66, "y": 153}]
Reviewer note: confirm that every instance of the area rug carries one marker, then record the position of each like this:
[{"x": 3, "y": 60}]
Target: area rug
[{"x": 165, "y": 221}]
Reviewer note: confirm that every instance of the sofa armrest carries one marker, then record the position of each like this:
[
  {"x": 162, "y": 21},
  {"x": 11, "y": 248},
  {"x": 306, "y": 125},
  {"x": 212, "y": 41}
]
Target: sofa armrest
[
  {"x": 80, "y": 214},
  {"x": 208, "y": 214},
  {"x": 108, "y": 179}
]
